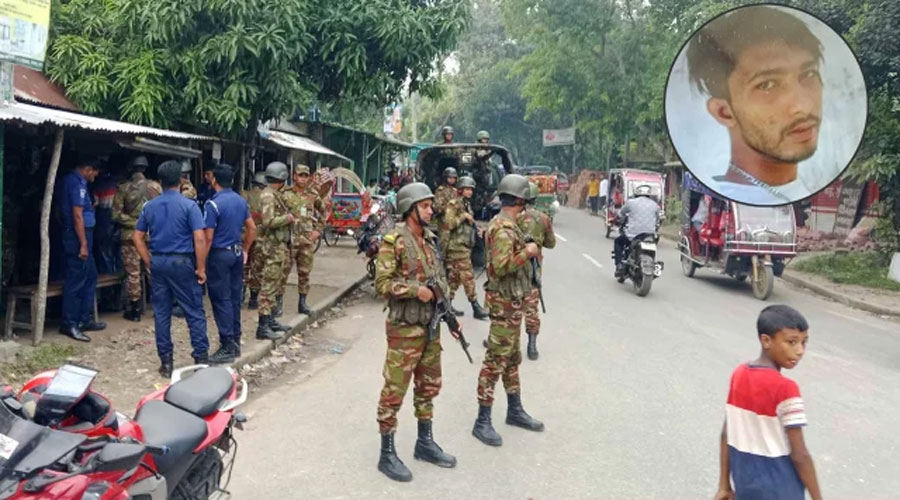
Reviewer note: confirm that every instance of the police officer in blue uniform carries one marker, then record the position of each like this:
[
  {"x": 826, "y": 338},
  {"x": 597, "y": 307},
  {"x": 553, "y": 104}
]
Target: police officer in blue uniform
[
  {"x": 80, "y": 284},
  {"x": 177, "y": 263},
  {"x": 227, "y": 214}
]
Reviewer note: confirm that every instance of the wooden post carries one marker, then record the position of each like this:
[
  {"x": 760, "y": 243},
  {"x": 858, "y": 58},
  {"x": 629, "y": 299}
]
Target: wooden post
[{"x": 40, "y": 297}]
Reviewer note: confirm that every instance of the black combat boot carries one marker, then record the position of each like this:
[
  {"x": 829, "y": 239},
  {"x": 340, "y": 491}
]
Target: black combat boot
[
  {"x": 532, "y": 346},
  {"x": 202, "y": 359},
  {"x": 264, "y": 329},
  {"x": 277, "y": 309},
  {"x": 456, "y": 311},
  {"x": 302, "y": 308},
  {"x": 483, "y": 430},
  {"x": 166, "y": 366},
  {"x": 278, "y": 327},
  {"x": 429, "y": 451},
  {"x": 227, "y": 353},
  {"x": 132, "y": 311},
  {"x": 515, "y": 414},
  {"x": 389, "y": 463},
  {"x": 253, "y": 303},
  {"x": 243, "y": 294},
  {"x": 477, "y": 311}
]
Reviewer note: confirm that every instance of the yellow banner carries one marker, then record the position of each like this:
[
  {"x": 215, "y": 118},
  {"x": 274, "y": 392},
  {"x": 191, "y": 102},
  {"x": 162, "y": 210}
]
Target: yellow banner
[{"x": 24, "y": 27}]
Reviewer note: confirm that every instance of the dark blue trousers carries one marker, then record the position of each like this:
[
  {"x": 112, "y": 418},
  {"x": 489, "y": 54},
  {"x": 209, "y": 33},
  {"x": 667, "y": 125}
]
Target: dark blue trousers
[
  {"x": 172, "y": 277},
  {"x": 225, "y": 280},
  {"x": 80, "y": 284}
]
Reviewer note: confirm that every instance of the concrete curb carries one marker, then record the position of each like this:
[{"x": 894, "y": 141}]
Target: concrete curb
[
  {"x": 297, "y": 324},
  {"x": 822, "y": 291}
]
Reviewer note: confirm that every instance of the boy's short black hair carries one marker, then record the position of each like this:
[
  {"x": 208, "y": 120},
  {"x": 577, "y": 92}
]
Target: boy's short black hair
[
  {"x": 775, "y": 318},
  {"x": 169, "y": 173},
  {"x": 224, "y": 175},
  {"x": 713, "y": 51}
]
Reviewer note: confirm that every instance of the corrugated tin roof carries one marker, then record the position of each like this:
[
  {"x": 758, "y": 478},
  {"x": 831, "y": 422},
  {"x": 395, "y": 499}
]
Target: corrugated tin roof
[
  {"x": 36, "y": 115},
  {"x": 33, "y": 86},
  {"x": 292, "y": 141},
  {"x": 395, "y": 142}
]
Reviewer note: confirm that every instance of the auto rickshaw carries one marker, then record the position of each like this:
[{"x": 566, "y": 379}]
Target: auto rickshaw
[
  {"x": 349, "y": 205},
  {"x": 740, "y": 241},
  {"x": 620, "y": 189}
]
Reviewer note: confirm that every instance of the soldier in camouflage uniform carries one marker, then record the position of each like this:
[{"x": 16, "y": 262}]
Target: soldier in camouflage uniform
[
  {"x": 536, "y": 224},
  {"x": 458, "y": 226},
  {"x": 446, "y": 135},
  {"x": 308, "y": 209},
  {"x": 442, "y": 197},
  {"x": 127, "y": 205},
  {"x": 255, "y": 259},
  {"x": 274, "y": 244},
  {"x": 187, "y": 188},
  {"x": 407, "y": 259},
  {"x": 507, "y": 286}
]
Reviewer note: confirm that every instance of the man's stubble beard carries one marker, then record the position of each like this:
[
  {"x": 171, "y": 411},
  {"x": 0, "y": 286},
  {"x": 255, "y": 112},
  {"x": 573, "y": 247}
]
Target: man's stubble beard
[{"x": 762, "y": 144}]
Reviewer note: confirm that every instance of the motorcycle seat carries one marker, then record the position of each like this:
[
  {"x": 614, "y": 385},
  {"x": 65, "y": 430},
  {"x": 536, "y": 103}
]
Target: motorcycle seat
[
  {"x": 203, "y": 392},
  {"x": 166, "y": 425}
]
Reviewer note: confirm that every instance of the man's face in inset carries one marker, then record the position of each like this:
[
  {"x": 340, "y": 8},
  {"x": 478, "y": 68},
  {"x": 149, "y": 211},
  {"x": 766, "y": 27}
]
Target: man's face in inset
[{"x": 775, "y": 101}]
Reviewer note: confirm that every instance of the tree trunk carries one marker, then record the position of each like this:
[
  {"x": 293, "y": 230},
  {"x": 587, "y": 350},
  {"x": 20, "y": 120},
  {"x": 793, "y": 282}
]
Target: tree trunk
[{"x": 40, "y": 297}]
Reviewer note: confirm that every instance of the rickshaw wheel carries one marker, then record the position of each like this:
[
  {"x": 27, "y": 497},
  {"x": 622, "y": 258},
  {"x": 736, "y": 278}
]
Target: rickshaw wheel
[
  {"x": 688, "y": 267},
  {"x": 762, "y": 286},
  {"x": 331, "y": 236},
  {"x": 318, "y": 244}
]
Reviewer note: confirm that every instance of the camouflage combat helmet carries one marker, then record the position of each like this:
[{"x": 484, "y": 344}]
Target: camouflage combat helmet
[
  {"x": 411, "y": 194},
  {"x": 483, "y": 134},
  {"x": 260, "y": 178},
  {"x": 277, "y": 170},
  {"x": 466, "y": 182},
  {"x": 446, "y": 130},
  {"x": 301, "y": 169},
  {"x": 185, "y": 167},
  {"x": 139, "y": 162},
  {"x": 514, "y": 185},
  {"x": 450, "y": 172}
]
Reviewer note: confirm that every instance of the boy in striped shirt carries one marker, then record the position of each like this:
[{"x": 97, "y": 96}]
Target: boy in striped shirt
[{"x": 762, "y": 446}]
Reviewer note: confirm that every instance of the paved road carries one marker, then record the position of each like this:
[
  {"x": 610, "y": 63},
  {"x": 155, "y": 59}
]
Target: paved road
[{"x": 631, "y": 390}]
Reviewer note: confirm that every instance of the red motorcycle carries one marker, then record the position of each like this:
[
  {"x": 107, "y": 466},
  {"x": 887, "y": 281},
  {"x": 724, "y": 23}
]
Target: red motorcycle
[{"x": 61, "y": 440}]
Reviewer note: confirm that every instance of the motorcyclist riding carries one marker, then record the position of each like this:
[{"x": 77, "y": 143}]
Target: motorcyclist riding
[{"x": 639, "y": 215}]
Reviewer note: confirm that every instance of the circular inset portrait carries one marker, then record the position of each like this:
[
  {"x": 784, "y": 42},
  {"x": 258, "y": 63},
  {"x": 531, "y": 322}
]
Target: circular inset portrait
[{"x": 766, "y": 105}]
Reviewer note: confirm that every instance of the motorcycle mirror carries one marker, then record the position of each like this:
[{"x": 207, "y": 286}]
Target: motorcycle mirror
[{"x": 119, "y": 456}]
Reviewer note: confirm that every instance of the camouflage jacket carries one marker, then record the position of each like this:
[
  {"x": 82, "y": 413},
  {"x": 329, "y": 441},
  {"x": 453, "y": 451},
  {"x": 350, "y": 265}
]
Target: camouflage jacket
[
  {"x": 507, "y": 262},
  {"x": 459, "y": 232},
  {"x": 537, "y": 224},
  {"x": 130, "y": 199},
  {"x": 188, "y": 190},
  {"x": 402, "y": 267},
  {"x": 308, "y": 209},
  {"x": 253, "y": 203},
  {"x": 442, "y": 197},
  {"x": 274, "y": 220}
]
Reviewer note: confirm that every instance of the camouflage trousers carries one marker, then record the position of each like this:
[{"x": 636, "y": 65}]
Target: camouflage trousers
[
  {"x": 409, "y": 356},
  {"x": 504, "y": 353},
  {"x": 302, "y": 254},
  {"x": 461, "y": 273},
  {"x": 532, "y": 314},
  {"x": 273, "y": 277},
  {"x": 131, "y": 261},
  {"x": 254, "y": 268}
]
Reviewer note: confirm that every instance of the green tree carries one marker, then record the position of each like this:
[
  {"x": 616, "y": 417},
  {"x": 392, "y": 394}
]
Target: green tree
[{"x": 226, "y": 65}]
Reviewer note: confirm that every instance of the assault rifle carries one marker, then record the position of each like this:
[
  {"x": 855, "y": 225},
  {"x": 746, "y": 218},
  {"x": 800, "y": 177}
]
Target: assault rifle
[
  {"x": 443, "y": 313},
  {"x": 535, "y": 275}
]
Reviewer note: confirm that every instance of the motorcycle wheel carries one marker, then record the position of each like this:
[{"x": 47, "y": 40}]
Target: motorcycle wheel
[
  {"x": 608, "y": 230},
  {"x": 202, "y": 479},
  {"x": 764, "y": 282},
  {"x": 331, "y": 236}
]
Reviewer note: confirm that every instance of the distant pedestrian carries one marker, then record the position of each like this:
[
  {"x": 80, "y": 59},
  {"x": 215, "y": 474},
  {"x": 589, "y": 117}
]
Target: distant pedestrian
[
  {"x": 594, "y": 194},
  {"x": 604, "y": 192},
  {"x": 762, "y": 445},
  {"x": 177, "y": 262}
]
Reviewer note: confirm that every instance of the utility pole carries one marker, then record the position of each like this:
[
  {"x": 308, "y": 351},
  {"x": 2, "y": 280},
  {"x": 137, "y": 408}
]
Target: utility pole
[{"x": 412, "y": 116}]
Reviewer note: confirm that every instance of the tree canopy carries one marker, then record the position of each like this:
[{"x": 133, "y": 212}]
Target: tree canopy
[{"x": 225, "y": 65}]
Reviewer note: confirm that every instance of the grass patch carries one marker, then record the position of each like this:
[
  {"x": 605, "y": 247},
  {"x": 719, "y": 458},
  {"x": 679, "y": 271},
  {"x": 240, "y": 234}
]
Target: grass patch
[
  {"x": 31, "y": 362},
  {"x": 862, "y": 268}
]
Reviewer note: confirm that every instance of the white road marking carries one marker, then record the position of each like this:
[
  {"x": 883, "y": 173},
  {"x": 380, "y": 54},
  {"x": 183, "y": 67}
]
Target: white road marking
[
  {"x": 593, "y": 261},
  {"x": 560, "y": 237}
]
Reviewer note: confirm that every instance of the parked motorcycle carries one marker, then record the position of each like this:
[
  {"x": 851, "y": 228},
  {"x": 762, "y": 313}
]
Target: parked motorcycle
[
  {"x": 61, "y": 440},
  {"x": 640, "y": 263}
]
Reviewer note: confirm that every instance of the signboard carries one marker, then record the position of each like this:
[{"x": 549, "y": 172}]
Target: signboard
[
  {"x": 24, "y": 26},
  {"x": 393, "y": 120},
  {"x": 559, "y": 137},
  {"x": 851, "y": 192}
]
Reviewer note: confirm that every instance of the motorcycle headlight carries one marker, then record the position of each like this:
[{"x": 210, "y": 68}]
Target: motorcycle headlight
[{"x": 95, "y": 491}]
